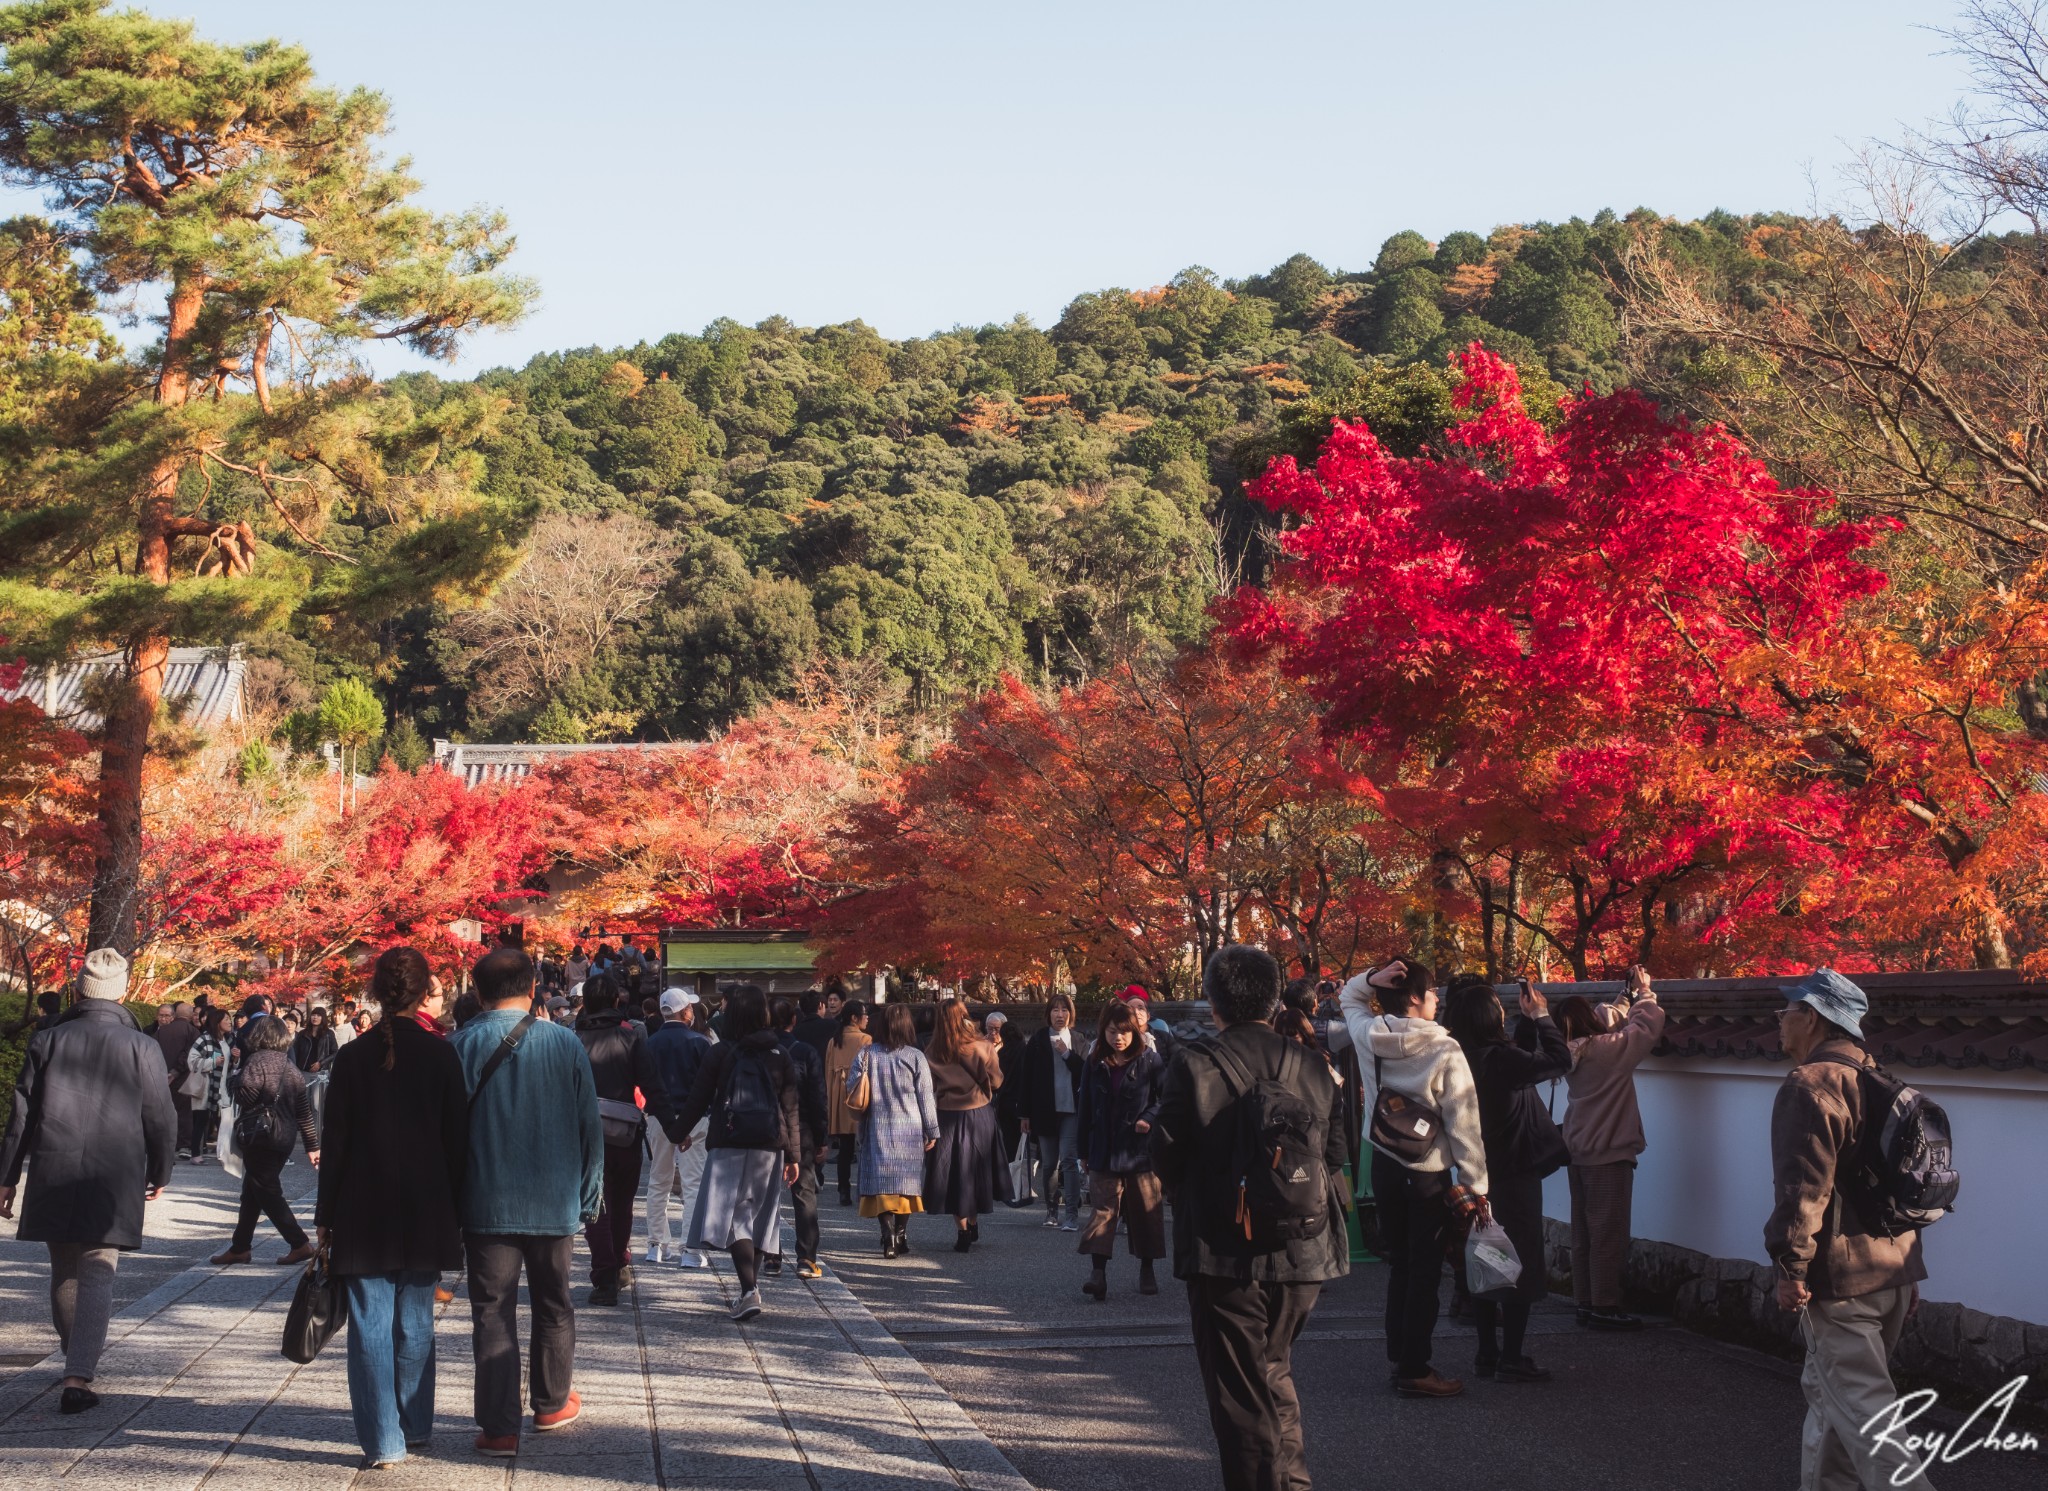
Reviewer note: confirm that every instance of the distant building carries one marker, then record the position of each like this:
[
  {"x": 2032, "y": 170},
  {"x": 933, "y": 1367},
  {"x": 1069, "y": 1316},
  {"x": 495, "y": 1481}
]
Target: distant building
[
  {"x": 477, "y": 764},
  {"x": 707, "y": 959},
  {"x": 206, "y": 683}
]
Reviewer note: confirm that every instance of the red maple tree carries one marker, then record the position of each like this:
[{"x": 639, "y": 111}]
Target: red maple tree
[{"x": 1574, "y": 663}]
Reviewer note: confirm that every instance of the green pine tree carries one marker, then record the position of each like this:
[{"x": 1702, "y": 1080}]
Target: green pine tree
[
  {"x": 255, "y": 202},
  {"x": 406, "y": 748}
]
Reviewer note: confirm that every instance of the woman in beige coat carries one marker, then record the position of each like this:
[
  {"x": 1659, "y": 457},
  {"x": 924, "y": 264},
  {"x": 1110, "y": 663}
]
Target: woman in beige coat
[
  {"x": 1603, "y": 1131},
  {"x": 842, "y": 1123}
]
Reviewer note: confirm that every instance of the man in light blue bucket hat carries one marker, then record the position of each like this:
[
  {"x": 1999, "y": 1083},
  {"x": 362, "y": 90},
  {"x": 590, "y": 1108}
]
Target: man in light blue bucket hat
[
  {"x": 1834, "y": 998},
  {"x": 1851, "y": 1286}
]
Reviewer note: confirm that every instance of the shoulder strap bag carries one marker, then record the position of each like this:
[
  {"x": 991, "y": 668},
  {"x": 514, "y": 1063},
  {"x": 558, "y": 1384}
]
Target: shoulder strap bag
[
  {"x": 1401, "y": 1128},
  {"x": 860, "y": 1095},
  {"x": 497, "y": 1059}
]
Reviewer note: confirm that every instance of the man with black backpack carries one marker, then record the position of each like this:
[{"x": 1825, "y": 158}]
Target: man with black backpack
[
  {"x": 1246, "y": 1150},
  {"x": 1859, "y": 1163}
]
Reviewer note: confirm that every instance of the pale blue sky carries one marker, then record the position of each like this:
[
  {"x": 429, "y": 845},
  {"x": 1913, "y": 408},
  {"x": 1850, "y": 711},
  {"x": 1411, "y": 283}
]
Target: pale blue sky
[{"x": 922, "y": 165}]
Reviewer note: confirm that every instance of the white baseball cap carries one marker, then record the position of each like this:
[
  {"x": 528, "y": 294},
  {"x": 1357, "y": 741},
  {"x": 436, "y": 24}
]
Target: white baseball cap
[{"x": 673, "y": 999}]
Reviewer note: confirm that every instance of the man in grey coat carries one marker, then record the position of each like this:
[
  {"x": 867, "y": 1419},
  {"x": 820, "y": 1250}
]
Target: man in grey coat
[{"x": 93, "y": 1110}]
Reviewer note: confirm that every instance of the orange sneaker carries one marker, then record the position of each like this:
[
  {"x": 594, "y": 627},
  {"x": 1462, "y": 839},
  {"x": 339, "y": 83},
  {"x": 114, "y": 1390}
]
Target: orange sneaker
[{"x": 561, "y": 1418}]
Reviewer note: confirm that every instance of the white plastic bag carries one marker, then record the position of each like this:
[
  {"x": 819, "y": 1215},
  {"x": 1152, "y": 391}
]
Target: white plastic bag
[
  {"x": 224, "y": 1146},
  {"x": 1492, "y": 1268},
  {"x": 1021, "y": 1174}
]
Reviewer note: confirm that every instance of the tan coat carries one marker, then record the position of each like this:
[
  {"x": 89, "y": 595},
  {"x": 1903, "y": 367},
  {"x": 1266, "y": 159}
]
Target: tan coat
[
  {"x": 839, "y": 1054},
  {"x": 1814, "y": 1232},
  {"x": 970, "y": 1082},
  {"x": 1602, "y": 1123}
]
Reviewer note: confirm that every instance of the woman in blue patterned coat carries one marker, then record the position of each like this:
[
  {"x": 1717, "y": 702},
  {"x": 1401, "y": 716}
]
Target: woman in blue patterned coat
[{"x": 901, "y": 1123}]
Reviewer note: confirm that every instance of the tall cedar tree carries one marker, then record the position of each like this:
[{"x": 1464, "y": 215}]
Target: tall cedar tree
[{"x": 257, "y": 205}]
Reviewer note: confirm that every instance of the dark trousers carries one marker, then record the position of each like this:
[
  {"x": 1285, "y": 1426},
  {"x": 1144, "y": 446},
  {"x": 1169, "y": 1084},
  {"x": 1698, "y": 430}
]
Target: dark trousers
[
  {"x": 263, "y": 1195},
  {"x": 205, "y": 1128},
  {"x": 1244, "y": 1343},
  {"x": 1415, "y": 1228},
  {"x": 804, "y": 1200},
  {"x": 182, "y": 1106},
  {"x": 610, "y": 1233},
  {"x": 845, "y": 1159},
  {"x": 494, "y": 1264}
]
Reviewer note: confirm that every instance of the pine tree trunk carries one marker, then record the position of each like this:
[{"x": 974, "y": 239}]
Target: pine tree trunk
[{"x": 117, "y": 861}]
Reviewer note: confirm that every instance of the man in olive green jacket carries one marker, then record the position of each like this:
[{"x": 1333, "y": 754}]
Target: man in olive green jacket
[{"x": 1853, "y": 1288}]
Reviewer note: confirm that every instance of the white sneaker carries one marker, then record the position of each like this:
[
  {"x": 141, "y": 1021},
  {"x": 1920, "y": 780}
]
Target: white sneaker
[
  {"x": 688, "y": 1259},
  {"x": 749, "y": 1305},
  {"x": 654, "y": 1253}
]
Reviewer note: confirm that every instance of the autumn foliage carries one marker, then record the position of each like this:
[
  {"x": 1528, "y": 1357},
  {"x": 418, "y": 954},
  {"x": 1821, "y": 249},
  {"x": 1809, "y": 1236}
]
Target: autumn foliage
[
  {"x": 1633, "y": 700},
  {"x": 1550, "y": 695},
  {"x": 1121, "y": 830}
]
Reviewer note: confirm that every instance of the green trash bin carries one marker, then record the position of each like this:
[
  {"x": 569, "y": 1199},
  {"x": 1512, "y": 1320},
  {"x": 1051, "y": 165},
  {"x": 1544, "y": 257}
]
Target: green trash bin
[{"x": 1357, "y": 1196}]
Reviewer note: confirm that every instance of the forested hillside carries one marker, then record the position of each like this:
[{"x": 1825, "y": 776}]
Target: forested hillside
[{"x": 714, "y": 514}]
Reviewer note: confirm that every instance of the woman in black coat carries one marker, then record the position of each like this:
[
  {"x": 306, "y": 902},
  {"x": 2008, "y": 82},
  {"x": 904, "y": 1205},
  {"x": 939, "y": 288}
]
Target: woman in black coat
[
  {"x": 1523, "y": 1145},
  {"x": 1050, "y": 1108},
  {"x": 313, "y": 1048},
  {"x": 390, "y": 1179},
  {"x": 272, "y": 1115},
  {"x": 1120, "y": 1093}
]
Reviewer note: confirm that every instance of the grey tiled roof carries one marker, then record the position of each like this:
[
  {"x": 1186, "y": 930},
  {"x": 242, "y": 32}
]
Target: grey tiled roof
[
  {"x": 476, "y": 764},
  {"x": 207, "y": 681}
]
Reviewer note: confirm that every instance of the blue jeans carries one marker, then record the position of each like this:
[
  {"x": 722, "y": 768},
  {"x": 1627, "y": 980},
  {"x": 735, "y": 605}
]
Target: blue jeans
[
  {"x": 391, "y": 1361},
  {"x": 1059, "y": 1160}
]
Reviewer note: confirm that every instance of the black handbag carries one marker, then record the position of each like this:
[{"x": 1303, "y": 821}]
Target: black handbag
[
  {"x": 319, "y": 1309},
  {"x": 263, "y": 1126}
]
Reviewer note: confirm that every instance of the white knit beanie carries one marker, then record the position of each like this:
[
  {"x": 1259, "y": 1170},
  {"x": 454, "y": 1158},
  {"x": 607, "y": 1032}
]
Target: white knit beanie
[{"x": 105, "y": 976}]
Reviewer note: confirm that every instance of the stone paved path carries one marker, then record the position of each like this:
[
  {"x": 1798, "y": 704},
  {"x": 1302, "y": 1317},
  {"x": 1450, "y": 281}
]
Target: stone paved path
[
  {"x": 1004, "y": 1379},
  {"x": 813, "y": 1396}
]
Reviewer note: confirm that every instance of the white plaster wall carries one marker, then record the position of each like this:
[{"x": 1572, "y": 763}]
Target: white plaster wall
[{"x": 1705, "y": 1181}]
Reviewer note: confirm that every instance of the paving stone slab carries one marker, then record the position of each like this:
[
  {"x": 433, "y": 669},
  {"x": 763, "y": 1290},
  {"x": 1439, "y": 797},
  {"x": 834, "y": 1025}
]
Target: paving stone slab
[{"x": 812, "y": 1396}]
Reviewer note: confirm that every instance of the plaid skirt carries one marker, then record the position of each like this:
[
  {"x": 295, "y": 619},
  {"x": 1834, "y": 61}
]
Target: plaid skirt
[{"x": 740, "y": 1200}]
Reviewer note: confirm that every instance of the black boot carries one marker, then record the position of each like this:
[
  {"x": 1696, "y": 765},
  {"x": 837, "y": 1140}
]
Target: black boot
[
  {"x": 1097, "y": 1287},
  {"x": 888, "y": 1236},
  {"x": 1148, "y": 1282},
  {"x": 902, "y": 1232}
]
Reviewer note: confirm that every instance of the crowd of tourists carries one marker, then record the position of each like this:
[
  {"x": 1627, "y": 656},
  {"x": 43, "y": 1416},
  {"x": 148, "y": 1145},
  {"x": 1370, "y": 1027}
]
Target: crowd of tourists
[{"x": 480, "y": 1137}]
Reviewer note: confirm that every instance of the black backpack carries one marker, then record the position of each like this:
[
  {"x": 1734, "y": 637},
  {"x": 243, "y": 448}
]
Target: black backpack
[
  {"x": 1903, "y": 1168},
  {"x": 753, "y": 1102},
  {"x": 1276, "y": 1158}
]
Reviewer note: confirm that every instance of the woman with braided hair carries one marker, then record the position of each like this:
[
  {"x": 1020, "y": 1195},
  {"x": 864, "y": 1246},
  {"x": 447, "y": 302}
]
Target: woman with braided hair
[{"x": 397, "y": 1144}]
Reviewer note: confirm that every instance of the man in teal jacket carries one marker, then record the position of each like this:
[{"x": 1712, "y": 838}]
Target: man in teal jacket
[{"x": 536, "y": 1176}]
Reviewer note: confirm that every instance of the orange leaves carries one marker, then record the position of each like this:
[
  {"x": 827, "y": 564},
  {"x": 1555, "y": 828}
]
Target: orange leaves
[
  {"x": 1469, "y": 285},
  {"x": 986, "y": 415},
  {"x": 729, "y": 832},
  {"x": 1125, "y": 829}
]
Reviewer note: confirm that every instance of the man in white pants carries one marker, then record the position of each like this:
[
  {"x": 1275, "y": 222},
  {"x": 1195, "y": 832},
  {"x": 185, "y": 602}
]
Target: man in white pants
[{"x": 679, "y": 1050}]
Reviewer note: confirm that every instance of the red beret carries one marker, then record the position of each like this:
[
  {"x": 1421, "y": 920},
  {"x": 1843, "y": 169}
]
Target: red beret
[{"x": 1136, "y": 991}]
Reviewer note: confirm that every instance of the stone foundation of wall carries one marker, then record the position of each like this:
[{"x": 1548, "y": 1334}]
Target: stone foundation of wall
[{"x": 1732, "y": 1299}]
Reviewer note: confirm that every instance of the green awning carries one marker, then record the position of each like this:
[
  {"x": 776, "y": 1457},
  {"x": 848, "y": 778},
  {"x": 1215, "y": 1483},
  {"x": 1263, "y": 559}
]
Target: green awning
[{"x": 737, "y": 957}]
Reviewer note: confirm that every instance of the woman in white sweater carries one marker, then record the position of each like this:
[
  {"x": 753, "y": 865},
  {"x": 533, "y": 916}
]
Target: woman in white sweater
[{"x": 1390, "y": 1014}]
